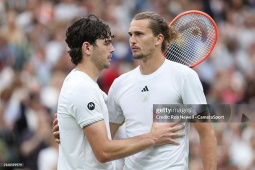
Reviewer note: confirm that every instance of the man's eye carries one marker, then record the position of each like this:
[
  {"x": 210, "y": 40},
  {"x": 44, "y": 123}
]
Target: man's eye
[{"x": 107, "y": 42}]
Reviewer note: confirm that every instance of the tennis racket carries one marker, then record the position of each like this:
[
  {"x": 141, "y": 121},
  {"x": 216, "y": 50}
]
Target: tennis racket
[{"x": 198, "y": 36}]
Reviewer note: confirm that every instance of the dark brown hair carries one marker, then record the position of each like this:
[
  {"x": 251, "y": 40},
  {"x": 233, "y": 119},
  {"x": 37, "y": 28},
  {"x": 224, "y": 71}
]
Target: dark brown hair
[{"x": 85, "y": 29}]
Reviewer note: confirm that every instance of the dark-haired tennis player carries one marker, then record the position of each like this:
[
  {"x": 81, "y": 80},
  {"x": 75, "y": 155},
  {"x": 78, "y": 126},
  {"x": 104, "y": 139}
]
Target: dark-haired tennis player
[
  {"x": 82, "y": 112},
  {"x": 157, "y": 81}
]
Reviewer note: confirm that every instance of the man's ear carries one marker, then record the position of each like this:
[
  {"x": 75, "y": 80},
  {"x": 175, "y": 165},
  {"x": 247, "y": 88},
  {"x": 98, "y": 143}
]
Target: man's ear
[
  {"x": 86, "y": 48},
  {"x": 159, "y": 39}
]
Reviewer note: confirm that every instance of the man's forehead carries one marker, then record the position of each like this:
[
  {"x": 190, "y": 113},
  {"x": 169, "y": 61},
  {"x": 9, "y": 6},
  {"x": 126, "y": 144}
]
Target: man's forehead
[{"x": 139, "y": 25}]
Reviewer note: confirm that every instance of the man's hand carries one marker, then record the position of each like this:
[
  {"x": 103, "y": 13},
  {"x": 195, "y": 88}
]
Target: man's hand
[
  {"x": 165, "y": 133},
  {"x": 161, "y": 133},
  {"x": 55, "y": 129}
]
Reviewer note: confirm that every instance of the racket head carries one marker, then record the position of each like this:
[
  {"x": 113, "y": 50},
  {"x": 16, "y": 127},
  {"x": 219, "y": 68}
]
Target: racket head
[{"x": 198, "y": 36}]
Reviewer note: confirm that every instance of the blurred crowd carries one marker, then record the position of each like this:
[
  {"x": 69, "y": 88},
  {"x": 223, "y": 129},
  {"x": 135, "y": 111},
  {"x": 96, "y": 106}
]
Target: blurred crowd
[{"x": 34, "y": 62}]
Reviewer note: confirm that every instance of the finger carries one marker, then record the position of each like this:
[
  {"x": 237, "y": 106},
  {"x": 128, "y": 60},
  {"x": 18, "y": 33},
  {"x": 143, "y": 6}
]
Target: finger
[
  {"x": 55, "y": 115},
  {"x": 176, "y": 128},
  {"x": 171, "y": 141},
  {"x": 55, "y": 121},
  {"x": 56, "y": 135},
  {"x": 177, "y": 135},
  {"x": 57, "y": 141},
  {"x": 55, "y": 128},
  {"x": 176, "y": 122}
]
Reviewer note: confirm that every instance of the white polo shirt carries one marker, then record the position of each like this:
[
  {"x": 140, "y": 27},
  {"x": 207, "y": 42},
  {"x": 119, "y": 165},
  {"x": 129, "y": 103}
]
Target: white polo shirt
[
  {"x": 81, "y": 103},
  {"x": 131, "y": 97}
]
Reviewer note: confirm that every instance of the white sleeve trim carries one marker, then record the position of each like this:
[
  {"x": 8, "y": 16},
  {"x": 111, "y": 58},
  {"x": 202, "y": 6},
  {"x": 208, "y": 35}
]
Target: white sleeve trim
[{"x": 90, "y": 121}]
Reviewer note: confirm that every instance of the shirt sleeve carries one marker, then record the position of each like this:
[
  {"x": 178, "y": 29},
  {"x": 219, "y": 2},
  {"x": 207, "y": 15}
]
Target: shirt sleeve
[
  {"x": 85, "y": 105},
  {"x": 192, "y": 89},
  {"x": 115, "y": 112}
]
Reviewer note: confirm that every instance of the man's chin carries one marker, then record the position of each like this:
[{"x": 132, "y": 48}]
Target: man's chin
[
  {"x": 107, "y": 66},
  {"x": 137, "y": 56}
]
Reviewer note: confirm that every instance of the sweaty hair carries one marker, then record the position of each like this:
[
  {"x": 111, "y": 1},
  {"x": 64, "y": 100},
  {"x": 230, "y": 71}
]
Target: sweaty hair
[
  {"x": 159, "y": 26},
  {"x": 87, "y": 29}
]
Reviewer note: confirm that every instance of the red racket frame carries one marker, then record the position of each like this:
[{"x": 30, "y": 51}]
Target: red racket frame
[{"x": 213, "y": 23}]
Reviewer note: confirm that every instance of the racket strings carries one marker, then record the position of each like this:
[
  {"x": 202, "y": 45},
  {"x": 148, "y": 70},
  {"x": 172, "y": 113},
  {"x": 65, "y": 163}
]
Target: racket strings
[{"x": 197, "y": 38}]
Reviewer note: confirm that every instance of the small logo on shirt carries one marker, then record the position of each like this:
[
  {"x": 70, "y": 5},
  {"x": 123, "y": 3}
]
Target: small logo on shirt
[
  {"x": 145, "y": 89},
  {"x": 91, "y": 106}
]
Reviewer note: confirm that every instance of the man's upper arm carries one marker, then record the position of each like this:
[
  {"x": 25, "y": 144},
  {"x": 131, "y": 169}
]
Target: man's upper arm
[
  {"x": 96, "y": 134},
  {"x": 204, "y": 128},
  {"x": 114, "y": 128},
  {"x": 192, "y": 89}
]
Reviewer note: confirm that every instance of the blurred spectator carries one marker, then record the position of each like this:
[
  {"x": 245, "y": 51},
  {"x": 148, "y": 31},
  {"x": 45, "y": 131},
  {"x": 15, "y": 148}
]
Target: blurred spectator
[
  {"x": 240, "y": 151},
  {"x": 251, "y": 166},
  {"x": 73, "y": 8},
  {"x": 7, "y": 57},
  {"x": 48, "y": 157},
  {"x": 35, "y": 128}
]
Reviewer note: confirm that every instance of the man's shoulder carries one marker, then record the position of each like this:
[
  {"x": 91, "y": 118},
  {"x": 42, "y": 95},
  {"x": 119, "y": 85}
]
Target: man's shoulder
[
  {"x": 77, "y": 81},
  {"x": 178, "y": 65},
  {"x": 180, "y": 68}
]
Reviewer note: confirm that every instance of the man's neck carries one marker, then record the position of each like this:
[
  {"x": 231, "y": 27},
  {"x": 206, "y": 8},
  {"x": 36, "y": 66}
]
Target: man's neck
[
  {"x": 90, "y": 70},
  {"x": 150, "y": 65}
]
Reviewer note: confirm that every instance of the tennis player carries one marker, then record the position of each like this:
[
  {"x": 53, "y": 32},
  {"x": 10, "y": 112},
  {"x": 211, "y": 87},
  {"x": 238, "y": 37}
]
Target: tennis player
[
  {"x": 157, "y": 81},
  {"x": 82, "y": 112}
]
